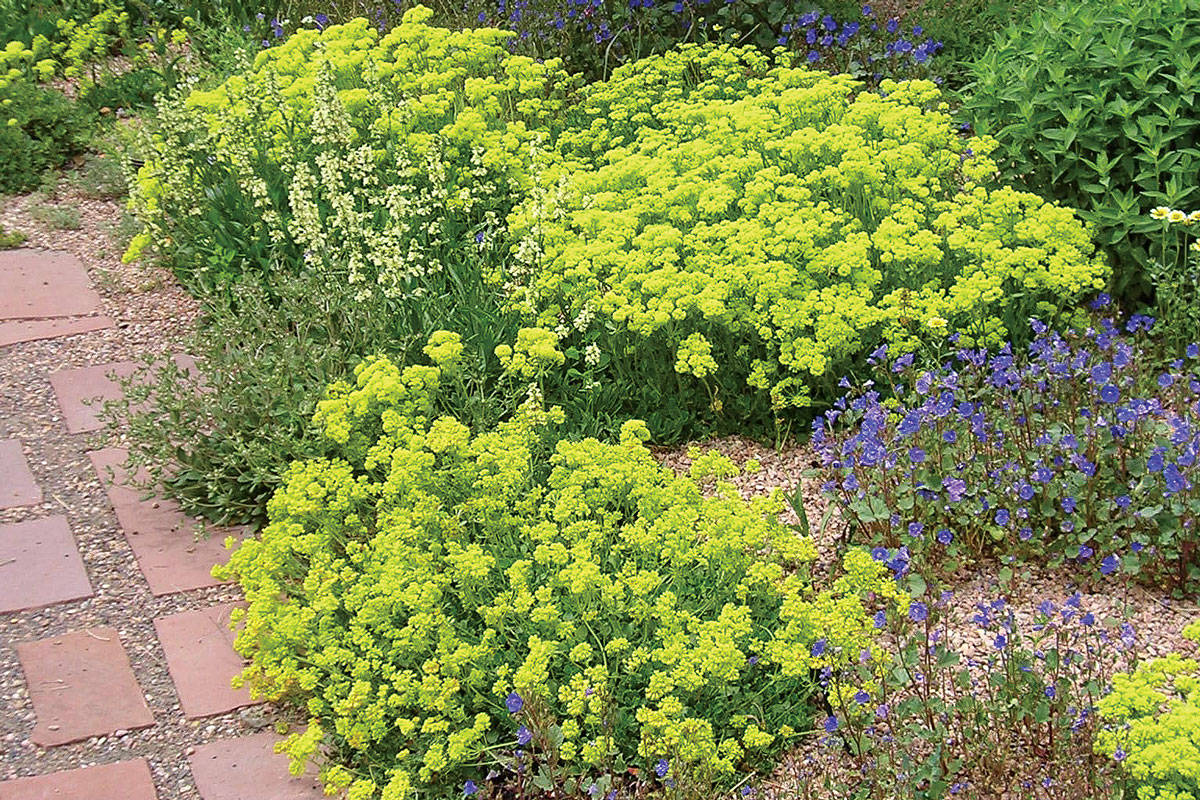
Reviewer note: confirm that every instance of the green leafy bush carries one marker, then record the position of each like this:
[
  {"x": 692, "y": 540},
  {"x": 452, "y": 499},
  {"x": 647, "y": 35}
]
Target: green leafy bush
[
  {"x": 1095, "y": 105},
  {"x": 736, "y": 236},
  {"x": 1152, "y": 725},
  {"x": 39, "y": 128},
  {"x": 423, "y": 586}
]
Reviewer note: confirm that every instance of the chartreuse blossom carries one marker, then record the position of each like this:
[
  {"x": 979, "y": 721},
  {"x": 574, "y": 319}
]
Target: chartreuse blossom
[
  {"x": 707, "y": 197},
  {"x": 1152, "y": 725},
  {"x": 423, "y": 585}
]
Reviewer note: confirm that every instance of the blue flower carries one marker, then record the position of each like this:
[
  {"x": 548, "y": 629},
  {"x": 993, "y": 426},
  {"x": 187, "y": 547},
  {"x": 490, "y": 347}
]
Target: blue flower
[
  {"x": 662, "y": 768},
  {"x": 915, "y": 529},
  {"x": 1110, "y": 393},
  {"x": 514, "y": 703},
  {"x": 918, "y": 612},
  {"x": 818, "y": 648},
  {"x": 1001, "y": 642},
  {"x": 813, "y": 55},
  {"x": 1050, "y": 692},
  {"x": 880, "y": 619},
  {"x": 1165, "y": 380},
  {"x": 831, "y": 724},
  {"x": 944, "y": 536},
  {"x": 469, "y": 788},
  {"x": 1085, "y": 552},
  {"x": 1002, "y": 516},
  {"x": 861, "y": 697},
  {"x": 893, "y": 25},
  {"x": 879, "y": 553},
  {"x": 916, "y": 455},
  {"x": 950, "y": 436},
  {"x": 867, "y": 11},
  {"x": 1193, "y": 350},
  {"x": 1110, "y": 564},
  {"x": 524, "y": 736}
]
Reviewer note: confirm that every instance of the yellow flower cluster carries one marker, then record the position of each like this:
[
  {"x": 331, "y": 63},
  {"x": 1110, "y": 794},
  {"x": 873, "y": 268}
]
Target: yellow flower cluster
[
  {"x": 405, "y": 587},
  {"x": 784, "y": 210},
  {"x": 364, "y": 150},
  {"x": 1152, "y": 725},
  {"x": 535, "y": 352}
]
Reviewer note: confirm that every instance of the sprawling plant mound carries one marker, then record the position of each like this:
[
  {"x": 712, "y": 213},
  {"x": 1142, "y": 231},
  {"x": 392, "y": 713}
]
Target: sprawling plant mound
[
  {"x": 380, "y": 158},
  {"x": 437, "y": 600},
  {"x": 1152, "y": 725},
  {"x": 747, "y": 225},
  {"x": 1095, "y": 104}
]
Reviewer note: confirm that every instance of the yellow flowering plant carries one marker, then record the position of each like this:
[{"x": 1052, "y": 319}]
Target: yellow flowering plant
[
  {"x": 761, "y": 228},
  {"x": 441, "y": 602},
  {"x": 1152, "y": 725}
]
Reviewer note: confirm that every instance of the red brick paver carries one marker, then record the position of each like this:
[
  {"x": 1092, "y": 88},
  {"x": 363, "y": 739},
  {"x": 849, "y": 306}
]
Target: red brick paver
[
  {"x": 78, "y": 390},
  {"x": 76, "y": 387},
  {"x": 124, "y": 780},
  {"x": 81, "y": 686},
  {"x": 40, "y": 565},
  {"x": 201, "y": 660},
  {"x": 29, "y": 330},
  {"x": 17, "y": 485},
  {"x": 241, "y": 769},
  {"x": 38, "y": 284},
  {"x": 162, "y": 537}
]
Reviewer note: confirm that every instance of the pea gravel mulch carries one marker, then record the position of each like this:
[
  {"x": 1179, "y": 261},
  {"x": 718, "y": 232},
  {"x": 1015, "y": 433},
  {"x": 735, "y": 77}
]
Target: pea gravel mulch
[{"x": 153, "y": 316}]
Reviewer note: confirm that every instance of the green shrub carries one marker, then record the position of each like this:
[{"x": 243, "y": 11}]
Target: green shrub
[
  {"x": 378, "y": 158},
  {"x": 1094, "y": 104},
  {"x": 1152, "y": 725},
  {"x": 414, "y": 585},
  {"x": 735, "y": 237},
  {"x": 39, "y": 128}
]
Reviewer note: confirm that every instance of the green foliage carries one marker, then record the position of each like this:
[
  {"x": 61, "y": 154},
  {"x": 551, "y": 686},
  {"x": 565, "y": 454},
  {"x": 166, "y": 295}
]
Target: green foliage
[
  {"x": 951, "y": 718},
  {"x": 39, "y": 128},
  {"x": 10, "y": 239},
  {"x": 1174, "y": 274},
  {"x": 423, "y": 578},
  {"x": 1095, "y": 104},
  {"x": 266, "y": 354},
  {"x": 1152, "y": 725},
  {"x": 783, "y": 224}
]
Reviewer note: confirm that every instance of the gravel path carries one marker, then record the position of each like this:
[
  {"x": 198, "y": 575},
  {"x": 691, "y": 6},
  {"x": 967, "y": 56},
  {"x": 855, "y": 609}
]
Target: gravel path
[{"x": 152, "y": 315}]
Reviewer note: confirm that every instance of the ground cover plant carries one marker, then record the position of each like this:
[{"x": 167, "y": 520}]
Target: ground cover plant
[
  {"x": 1152, "y": 725},
  {"x": 764, "y": 228},
  {"x": 1018, "y": 720},
  {"x": 443, "y": 603},
  {"x": 1078, "y": 452},
  {"x": 1094, "y": 104}
]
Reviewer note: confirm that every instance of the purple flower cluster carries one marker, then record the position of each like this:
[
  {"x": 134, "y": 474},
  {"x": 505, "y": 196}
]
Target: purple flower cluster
[
  {"x": 864, "y": 48},
  {"x": 1073, "y": 451}
]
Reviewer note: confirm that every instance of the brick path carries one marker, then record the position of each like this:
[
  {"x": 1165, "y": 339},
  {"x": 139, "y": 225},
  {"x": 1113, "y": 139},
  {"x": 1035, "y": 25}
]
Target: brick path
[{"x": 82, "y": 684}]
